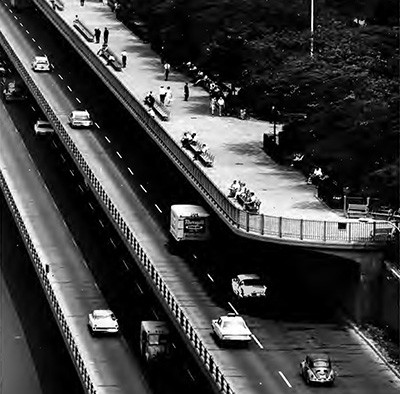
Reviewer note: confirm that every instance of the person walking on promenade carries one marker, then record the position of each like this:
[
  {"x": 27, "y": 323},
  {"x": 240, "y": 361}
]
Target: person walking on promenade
[
  {"x": 105, "y": 36},
  {"x": 167, "y": 68},
  {"x": 221, "y": 104},
  {"x": 162, "y": 93},
  {"x": 213, "y": 104},
  {"x": 168, "y": 96},
  {"x": 124, "y": 57},
  {"x": 186, "y": 91},
  {"x": 82, "y": 3},
  {"x": 97, "y": 34}
]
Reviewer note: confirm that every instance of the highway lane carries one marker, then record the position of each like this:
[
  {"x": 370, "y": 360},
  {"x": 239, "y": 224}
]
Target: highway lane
[
  {"x": 32, "y": 356},
  {"x": 255, "y": 365}
]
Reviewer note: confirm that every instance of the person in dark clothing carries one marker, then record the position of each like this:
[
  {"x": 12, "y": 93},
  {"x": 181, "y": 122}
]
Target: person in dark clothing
[
  {"x": 105, "y": 35},
  {"x": 186, "y": 91},
  {"x": 149, "y": 100},
  {"x": 124, "y": 58},
  {"x": 82, "y": 3},
  {"x": 97, "y": 34}
]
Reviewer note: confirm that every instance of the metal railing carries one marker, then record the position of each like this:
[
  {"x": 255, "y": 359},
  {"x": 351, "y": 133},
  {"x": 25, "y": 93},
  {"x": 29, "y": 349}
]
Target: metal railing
[
  {"x": 301, "y": 231},
  {"x": 148, "y": 267},
  {"x": 50, "y": 294}
]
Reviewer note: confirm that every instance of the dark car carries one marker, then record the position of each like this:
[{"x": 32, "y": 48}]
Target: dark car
[{"x": 317, "y": 369}]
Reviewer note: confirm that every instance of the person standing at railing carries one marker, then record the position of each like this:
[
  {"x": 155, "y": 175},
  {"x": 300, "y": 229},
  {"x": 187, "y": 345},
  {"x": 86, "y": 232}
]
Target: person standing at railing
[
  {"x": 124, "y": 58},
  {"x": 97, "y": 34},
  {"x": 186, "y": 91},
  {"x": 105, "y": 36}
]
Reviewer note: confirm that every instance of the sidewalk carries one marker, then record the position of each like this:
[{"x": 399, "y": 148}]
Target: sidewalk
[{"x": 236, "y": 144}]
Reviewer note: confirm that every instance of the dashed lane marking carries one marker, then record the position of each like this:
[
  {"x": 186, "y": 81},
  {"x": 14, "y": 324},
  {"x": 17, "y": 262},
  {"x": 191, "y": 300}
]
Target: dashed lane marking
[
  {"x": 15, "y": 17},
  {"x": 59, "y": 76},
  {"x": 33, "y": 39},
  {"x": 54, "y": 144},
  {"x": 210, "y": 277},
  {"x": 119, "y": 155},
  {"x": 101, "y": 223},
  {"x": 33, "y": 109},
  {"x": 154, "y": 312},
  {"x": 257, "y": 341},
  {"x": 72, "y": 172},
  {"x": 81, "y": 189},
  {"x": 63, "y": 158},
  {"x": 126, "y": 265},
  {"x": 107, "y": 139},
  {"x": 40, "y": 48},
  {"x": 96, "y": 125},
  {"x": 158, "y": 208},
  {"x": 27, "y": 31},
  {"x": 68, "y": 87},
  {"x": 91, "y": 206},
  {"x": 113, "y": 243},
  {"x": 21, "y": 24},
  {"x": 139, "y": 288},
  {"x": 79, "y": 101},
  {"x": 190, "y": 374},
  {"x": 129, "y": 169},
  {"x": 232, "y": 307},
  {"x": 143, "y": 188},
  {"x": 285, "y": 379}
]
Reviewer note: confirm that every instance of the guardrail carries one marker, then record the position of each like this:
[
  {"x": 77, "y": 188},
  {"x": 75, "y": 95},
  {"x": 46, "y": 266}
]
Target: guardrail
[
  {"x": 302, "y": 232},
  {"x": 129, "y": 237},
  {"x": 50, "y": 294}
]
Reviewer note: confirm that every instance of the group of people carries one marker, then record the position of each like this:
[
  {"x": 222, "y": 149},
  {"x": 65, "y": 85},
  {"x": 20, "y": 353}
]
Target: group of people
[
  {"x": 165, "y": 95},
  {"x": 189, "y": 140},
  {"x": 316, "y": 176},
  {"x": 243, "y": 195}
]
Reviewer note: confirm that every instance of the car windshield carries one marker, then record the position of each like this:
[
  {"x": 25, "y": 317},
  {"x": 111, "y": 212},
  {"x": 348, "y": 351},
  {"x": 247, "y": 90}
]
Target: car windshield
[
  {"x": 81, "y": 117},
  {"x": 157, "y": 339},
  {"x": 41, "y": 61},
  {"x": 321, "y": 364},
  {"x": 233, "y": 324},
  {"x": 103, "y": 315},
  {"x": 252, "y": 282}
]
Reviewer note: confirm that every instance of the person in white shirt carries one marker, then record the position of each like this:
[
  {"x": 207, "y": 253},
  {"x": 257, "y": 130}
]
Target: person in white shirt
[{"x": 168, "y": 96}]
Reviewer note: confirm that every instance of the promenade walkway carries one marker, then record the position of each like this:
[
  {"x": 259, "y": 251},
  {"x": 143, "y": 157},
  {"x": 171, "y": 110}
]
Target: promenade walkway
[{"x": 236, "y": 144}]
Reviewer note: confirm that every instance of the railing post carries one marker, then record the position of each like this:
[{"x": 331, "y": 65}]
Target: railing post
[
  {"x": 324, "y": 235},
  {"x": 301, "y": 229},
  {"x": 262, "y": 224},
  {"x": 280, "y": 227},
  {"x": 350, "y": 224},
  {"x": 247, "y": 222}
]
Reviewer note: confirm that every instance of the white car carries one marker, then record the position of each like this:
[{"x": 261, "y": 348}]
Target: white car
[
  {"x": 43, "y": 127},
  {"x": 80, "y": 119},
  {"x": 231, "y": 328},
  {"x": 248, "y": 286},
  {"x": 103, "y": 321},
  {"x": 41, "y": 63}
]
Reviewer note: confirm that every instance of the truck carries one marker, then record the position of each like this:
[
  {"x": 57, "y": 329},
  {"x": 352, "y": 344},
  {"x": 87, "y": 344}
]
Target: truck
[
  {"x": 189, "y": 223},
  {"x": 14, "y": 90},
  {"x": 155, "y": 341}
]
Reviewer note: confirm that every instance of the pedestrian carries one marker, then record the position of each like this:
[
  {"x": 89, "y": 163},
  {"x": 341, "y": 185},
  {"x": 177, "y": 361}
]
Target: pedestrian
[
  {"x": 149, "y": 100},
  {"x": 162, "y": 92},
  {"x": 168, "y": 96},
  {"x": 124, "y": 58},
  {"x": 110, "y": 59},
  {"x": 213, "y": 105},
  {"x": 82, "y": 3},
  {"x": 53, "y": 4},
  {"x": 105, "y": 36},
  {"x": 221, "y": 104},
  {"x": 167, "y": 68},
  {"x": 97, "y": 34},
  {"x": 76, "y": 19},
  {"x": 186, "y": 91}
]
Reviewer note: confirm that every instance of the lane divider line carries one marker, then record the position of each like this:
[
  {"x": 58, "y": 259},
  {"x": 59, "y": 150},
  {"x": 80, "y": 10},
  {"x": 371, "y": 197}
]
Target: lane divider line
[
  {"x": 158, "y": 208},
  {"x": 21, "y": 24},
  {"x": 143, "y": 188},
  {"x": 119, "y": 155},
  {"x": 68, "y": 87},
  {"x": 27, "y": 32},
  {"x": 96, "y": 125},
  {"x": 81, "y": 189},
  {"x": 63, "y": 158},
  {"x": 285, "y": 379},
  {"x": 190, "y": 374},
  {"x": 33, "y": 108},
  {"x": 72, "y": 172},
  {"x": 139, "y": 288},
  {"x": 210, "y": 277},
  {"x": 79, "y": 101},
  {"x": 154, "y": 312},
  {"x": 113, "y": 243},
  {"x": 232, "y": 307},
  {"x": 15, "y": 17},
  {"x": 257, "y": 341},
  {"x": 101, "y": 223},
  {"x": 126, "y": 266},
  {"x": 40, "y": 48},
  {"x": 129, "y": 169},
  {"x": 59, "y": 76},
  {"x": 107, "y": 139},
  {"x": 91, "y": 206},
  {"x": 33, "y": 39}
]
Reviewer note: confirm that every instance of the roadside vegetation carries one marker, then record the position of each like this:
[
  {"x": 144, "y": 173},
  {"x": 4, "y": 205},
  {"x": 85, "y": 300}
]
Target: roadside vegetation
[{"x": 349, "y": 89}]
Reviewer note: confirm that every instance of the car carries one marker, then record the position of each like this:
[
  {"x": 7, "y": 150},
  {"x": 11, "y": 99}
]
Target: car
[
  {"x": 103, "y": 321},
  {"x": 231, "y": 328},
  {"x": 80, "y": 118},
  {"x": 248, "y": 286},
  {"x": 43, "y": 127},
  {"x": 41, "y": 63},
  {"x": 317, "y": 369}
]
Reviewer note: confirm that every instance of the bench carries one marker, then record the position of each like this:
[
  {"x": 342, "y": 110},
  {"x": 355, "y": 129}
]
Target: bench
[
  {"x": 252, "y": 209},
  {"x": 382, "y": 234},
  {"x": 160, "y": 109},
  {"x": 206, "y": 158},
  {"x": 84, "y": 30},
  {"x": 115, "y": 64},
  {"x": 357, "y": 210}
]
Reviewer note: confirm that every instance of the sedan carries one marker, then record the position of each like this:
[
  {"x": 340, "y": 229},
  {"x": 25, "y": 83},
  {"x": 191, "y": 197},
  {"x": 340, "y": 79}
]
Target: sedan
[
  {"x": 248, "y": 286},
  {"x": 41, "y": 63},
  {"x": 317, "y": 369},
  {"x": 43, "y": 127},
  {"x": 80, "y": 118},
  {"x": 103, "y": 321},
  {"x": 231, "y": 328}
]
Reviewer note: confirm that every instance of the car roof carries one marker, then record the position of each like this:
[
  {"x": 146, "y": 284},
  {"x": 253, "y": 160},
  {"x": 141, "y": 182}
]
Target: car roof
[
  {"x": 232, "y": 317},
  {"x": 102, "y": 313},
  {"x": 41, "y": 57},
  {"x": 80, "y": 112},
  {"x": 248, "y": 276},
  {"x": 42, "y": 121},
  {"x": 319, "y": 356}
]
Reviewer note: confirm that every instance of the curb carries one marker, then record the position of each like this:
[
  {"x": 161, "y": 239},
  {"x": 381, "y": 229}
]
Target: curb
[{"x": 374, "y": 348}]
